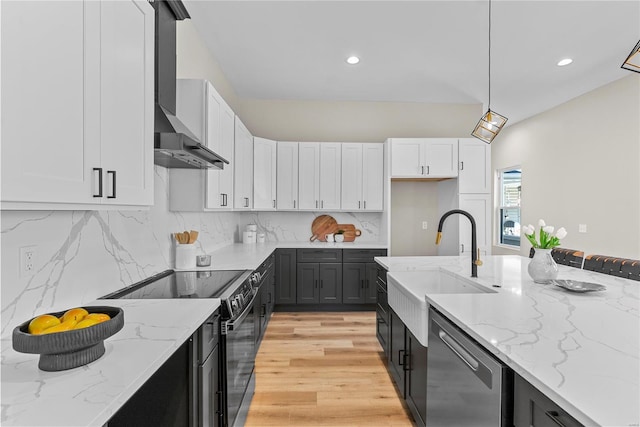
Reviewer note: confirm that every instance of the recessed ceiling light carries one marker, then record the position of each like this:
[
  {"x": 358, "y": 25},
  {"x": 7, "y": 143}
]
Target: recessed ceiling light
[
  {"x": 564, "y": 62},
  {"x": 353, "y": 60}
]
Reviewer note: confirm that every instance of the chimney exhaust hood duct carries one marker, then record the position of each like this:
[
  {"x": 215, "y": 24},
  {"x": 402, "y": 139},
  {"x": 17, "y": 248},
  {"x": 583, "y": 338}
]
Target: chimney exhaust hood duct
[{"x": 175, "y": 145}]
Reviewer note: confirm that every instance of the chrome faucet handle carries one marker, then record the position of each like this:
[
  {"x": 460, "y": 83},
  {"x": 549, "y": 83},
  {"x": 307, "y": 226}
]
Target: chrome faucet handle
[{"x": 478, "y": 261}]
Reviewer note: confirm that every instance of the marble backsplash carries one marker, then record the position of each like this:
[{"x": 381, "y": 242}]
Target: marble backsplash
[{"x": 82, "y": 255}]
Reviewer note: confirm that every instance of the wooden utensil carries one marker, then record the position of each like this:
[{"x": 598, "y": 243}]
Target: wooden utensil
[
  {"x": 193, "y": 236},
  {"x": 321, "y": 226},
  {"x": 350, "y": 231}
]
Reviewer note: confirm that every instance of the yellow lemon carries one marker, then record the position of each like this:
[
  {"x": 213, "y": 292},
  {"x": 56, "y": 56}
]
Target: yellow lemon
[
  {"x": 76, "y": 314},
  {"x": 42, "y": 322},
  {"x": 62, "y": 327},
  {"x": 102, "y": 317},
  {"x": 85, "y": 323}
]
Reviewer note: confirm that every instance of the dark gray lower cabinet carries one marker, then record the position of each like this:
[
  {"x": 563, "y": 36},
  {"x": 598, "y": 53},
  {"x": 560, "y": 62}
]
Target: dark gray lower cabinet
[
  {"x": 353, "y": 274},
  {"x": 211, "y": 389},
  {"x": 407, "y": 363},
  {"x": 319, "y": 283},
  {"x": 416, "y": 378},
  {"x": 534, "y": 409},
  {"x": 382, "y": 311},
  {"x": 285, "y": 276},
  {"x": 397, "y": 353},
  {"x": 371, "y": 275}
]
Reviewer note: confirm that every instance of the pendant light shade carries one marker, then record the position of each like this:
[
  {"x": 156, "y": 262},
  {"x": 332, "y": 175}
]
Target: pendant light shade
[
  {"x": 489, "y": 126},
  {"x": 491, "y": 123},
  {"x": 632, "y": 63}
]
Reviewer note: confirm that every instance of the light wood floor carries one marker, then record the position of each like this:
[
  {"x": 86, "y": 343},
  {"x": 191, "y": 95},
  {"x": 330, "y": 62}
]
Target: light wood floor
[{"x": 324, "y": 369}]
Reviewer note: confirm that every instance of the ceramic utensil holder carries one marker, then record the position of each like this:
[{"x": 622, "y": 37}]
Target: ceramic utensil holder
[{"x": 185, "y": 256}]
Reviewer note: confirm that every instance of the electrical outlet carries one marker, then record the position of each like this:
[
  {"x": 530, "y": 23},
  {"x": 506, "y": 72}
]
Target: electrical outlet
[
  {"x": 27, "y": 261},
  {"x": 582, "y": 228},
  {"x": 424, "y": 225}
]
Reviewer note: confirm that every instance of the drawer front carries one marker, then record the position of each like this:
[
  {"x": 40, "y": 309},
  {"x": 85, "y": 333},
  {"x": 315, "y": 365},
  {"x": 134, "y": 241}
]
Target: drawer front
[
  {"x": 362, "y": 255},
  {"x": 532, "y": 408},
  {"x": 319, "y": 255},
  {"x": 208, "y": 335}
]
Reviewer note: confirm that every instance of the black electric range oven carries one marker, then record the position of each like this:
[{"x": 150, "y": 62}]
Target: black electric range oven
[{"x": 237, "y": 291}]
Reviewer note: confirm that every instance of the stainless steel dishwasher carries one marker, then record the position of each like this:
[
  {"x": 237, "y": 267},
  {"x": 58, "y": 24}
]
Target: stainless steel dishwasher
[{"x": 466, "y": 386}]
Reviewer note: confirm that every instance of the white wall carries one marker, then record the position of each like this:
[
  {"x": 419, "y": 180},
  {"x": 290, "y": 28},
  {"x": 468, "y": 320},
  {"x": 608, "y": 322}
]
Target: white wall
[{"x": 581, "y": 165}]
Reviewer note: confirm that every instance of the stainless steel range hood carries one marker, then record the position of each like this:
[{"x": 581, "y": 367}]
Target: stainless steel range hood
[{"x": 175, "y": 145}]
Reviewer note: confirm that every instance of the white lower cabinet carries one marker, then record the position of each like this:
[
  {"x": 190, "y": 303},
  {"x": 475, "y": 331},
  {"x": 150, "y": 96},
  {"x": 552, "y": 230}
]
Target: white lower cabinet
[
  {"x": 243, "y": 173},
  {"x": 88, "y": 87},
  {"x": 362, "y": 177},
  {"x": 264, "y": 174},
  {"x": 479, "y": 206},
  {"x": 287, "y": 175}
]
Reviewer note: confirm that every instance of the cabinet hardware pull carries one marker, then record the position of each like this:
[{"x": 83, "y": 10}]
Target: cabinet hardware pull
[
  {"x": 461, "y": 247},
  {"x": 365, "y": 204},
  {"x": 358, "y": 204},
  {"x": 246, "y": 202},
  {"x": 400, "y": 358},
  {"x": 99, "y": 170},
  {"x": 407, "y": 362},
  {"x": 427, "y": 170},
  {"x": 321, "y": 284},
  {"x": 221, "y": 199},
  {"x": 461, "y": 166},
  {"x": 316, "y": 204},
  {"x": 316, "y": 283},
  {"x": 113, "y": 185},
  {"x": 322, "y": 204},
  {"x": 554, "y": 417},
  {"x": 421, "y": 170},
  {"x": 294, "y": 204},
  {"x": 274, "y": 203}
]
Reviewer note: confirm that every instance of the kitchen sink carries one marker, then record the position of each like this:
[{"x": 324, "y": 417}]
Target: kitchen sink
[{"x": 407, "y": 290}]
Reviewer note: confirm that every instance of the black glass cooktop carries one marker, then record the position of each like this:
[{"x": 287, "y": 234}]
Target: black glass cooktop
[{"x": 180, "y": 284}]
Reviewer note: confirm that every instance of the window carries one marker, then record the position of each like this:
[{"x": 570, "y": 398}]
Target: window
[{"x": 510, "y": 185}]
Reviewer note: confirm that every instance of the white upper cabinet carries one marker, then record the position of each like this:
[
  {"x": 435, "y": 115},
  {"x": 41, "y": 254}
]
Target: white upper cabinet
[
  {"x": 243, "y": 173},
  {"x": 474, "y": 175},
  {"x": 77, "y": 104},
  {"x": 309, "y": 175},
  {"x": 424, "y": 157},
  {"x": 264, "y": 174},
  {"x": 362, "y": 176},
  {"x": 287, "y": 175},
  {"x": 330, "y": 175},
  {"x": 211, "y": 120}
]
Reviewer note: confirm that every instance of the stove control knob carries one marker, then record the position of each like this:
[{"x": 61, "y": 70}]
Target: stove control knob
[{"x": 234, "y": 306}]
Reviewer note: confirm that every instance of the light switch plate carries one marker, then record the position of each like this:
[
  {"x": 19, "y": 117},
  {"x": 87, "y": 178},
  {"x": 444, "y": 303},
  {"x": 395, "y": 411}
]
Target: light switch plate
[{"x": 582, "y": 228}]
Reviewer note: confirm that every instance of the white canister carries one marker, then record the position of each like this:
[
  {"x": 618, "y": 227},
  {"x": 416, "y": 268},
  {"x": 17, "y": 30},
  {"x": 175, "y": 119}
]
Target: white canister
[
  {"x": 185, "y": 256},
  {"x": 252, "y": 227},
  {"x": 248, "y": 237},
  {"x": 261, "y": 238}
]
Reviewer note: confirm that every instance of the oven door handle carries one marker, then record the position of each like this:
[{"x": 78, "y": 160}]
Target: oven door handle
[{"x": 230, "y": 325}]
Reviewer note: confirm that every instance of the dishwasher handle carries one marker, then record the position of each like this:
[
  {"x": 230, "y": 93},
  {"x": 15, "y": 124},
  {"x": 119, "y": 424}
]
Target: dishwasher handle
[{"x": 463, "y": 350}]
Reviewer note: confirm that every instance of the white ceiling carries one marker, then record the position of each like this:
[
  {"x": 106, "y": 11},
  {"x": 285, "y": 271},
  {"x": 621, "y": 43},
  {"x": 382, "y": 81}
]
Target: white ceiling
[{"x": 420, "y": 51}]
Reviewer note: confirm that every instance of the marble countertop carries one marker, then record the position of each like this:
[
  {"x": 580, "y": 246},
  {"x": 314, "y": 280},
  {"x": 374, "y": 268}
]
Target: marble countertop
[
  {"x": 241, "y": 256},
  {"x": 580, "y": 349},
  {"x": 91, "y": 394}
]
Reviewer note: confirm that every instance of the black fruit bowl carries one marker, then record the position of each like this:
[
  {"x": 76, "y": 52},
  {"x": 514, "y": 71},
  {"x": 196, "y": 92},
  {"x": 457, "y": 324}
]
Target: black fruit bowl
[{"x": 69, "y": 349}]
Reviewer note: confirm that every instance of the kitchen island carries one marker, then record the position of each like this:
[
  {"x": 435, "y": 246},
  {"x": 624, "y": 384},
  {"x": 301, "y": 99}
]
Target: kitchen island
[{"x": 580, "y": 349}]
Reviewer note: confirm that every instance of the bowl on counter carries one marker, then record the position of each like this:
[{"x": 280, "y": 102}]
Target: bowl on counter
[{"x": 69, "y": 349}]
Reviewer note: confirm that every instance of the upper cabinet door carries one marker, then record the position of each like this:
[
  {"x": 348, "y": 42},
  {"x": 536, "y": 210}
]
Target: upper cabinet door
[
  {"x": 441, "y": 158},
  {"x": 474, "y": 175},
  {"x": 372, "y": 177},
  {"x": 287, "y": 175},
  {"x": 352, "y": 176},
  {"x": 309, "y": 175},
  {"x": 243, "y": 173},
  {"x": 227, "y": 137},
  {"x": 330, "y": 175},
  {"x": 126, "y": 100},
  {"x": 46, "y": 156},
  {"x": 407, "y": 157},
  {"x": 264, "y": 178}
]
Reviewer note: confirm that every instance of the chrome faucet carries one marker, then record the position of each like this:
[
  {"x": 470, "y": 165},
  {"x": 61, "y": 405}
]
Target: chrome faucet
[{"x": 475, "y": 252}]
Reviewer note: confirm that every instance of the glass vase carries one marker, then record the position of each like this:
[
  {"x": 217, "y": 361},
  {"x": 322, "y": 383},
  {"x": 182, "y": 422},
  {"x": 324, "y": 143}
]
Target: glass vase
[{"x": 542, "y": 268}]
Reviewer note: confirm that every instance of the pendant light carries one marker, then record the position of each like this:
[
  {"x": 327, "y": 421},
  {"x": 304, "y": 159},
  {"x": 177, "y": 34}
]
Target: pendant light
[
  {"x": 491, "y": 122},
  {"x": 632, "y": 63}
]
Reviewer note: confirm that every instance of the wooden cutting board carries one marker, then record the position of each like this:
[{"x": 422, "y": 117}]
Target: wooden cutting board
[
  {"x": 350, "y": 231},
  {"x": 321, "y": 226}
]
